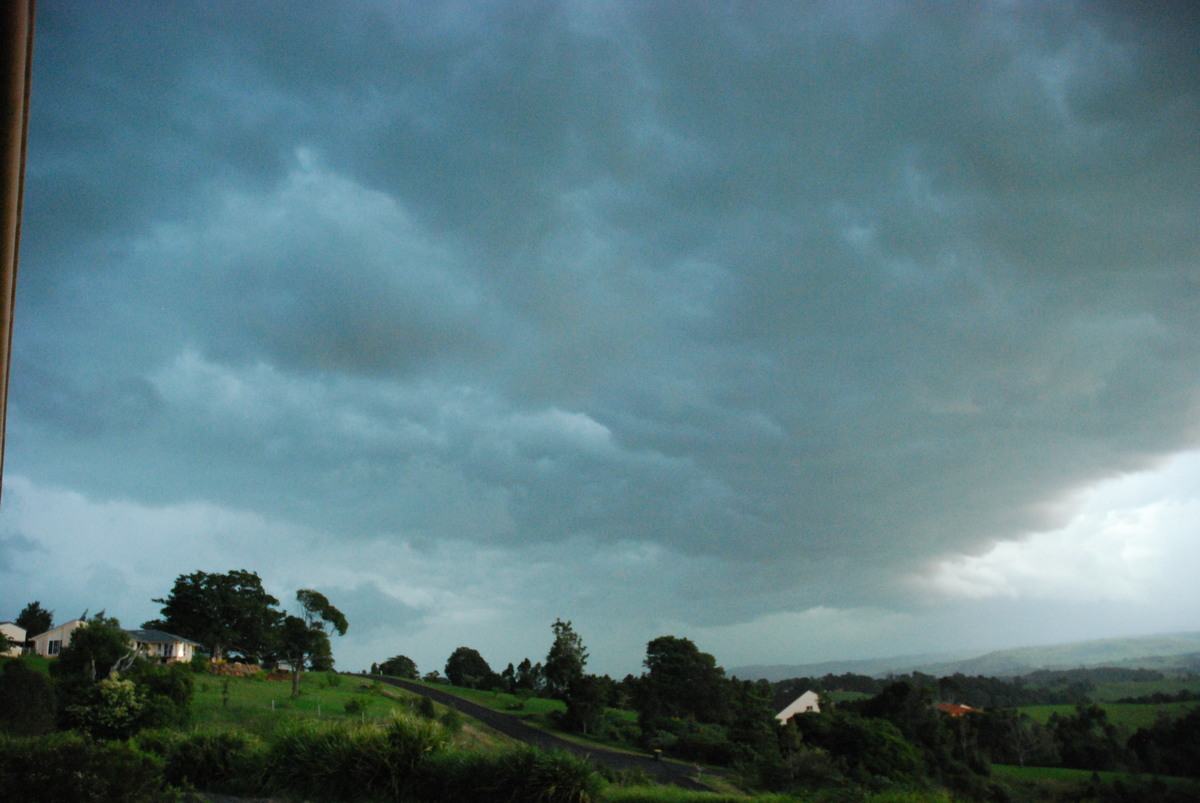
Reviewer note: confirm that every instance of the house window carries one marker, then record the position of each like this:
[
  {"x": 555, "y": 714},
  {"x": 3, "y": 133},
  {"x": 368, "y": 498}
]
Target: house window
[
  {"x": 168, "y": 650},
  {"x": 53, "y": 647}
]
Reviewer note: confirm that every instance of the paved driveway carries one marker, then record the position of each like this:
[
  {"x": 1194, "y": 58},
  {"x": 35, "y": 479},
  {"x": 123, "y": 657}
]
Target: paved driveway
[{"x": 662, "y": 771}]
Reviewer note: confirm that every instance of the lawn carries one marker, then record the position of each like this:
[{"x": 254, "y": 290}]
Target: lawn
[
  {"x": 32, "y": 661},
  {"x": 260, "y": 706}
]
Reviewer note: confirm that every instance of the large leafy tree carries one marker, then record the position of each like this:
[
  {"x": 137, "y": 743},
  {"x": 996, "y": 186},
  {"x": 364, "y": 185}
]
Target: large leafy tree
[
  {"x": 680, "y": 682},
  {"x": 565, "y": 679},
  {"x": 229, "y": 613},
  {"x": 565, "y": 661},
  {"x": 35, "y": 619},
  {"x": 466, "y": 667},
  {"x": 306, "y": 637},
  {"x": 400, "y": 666}
]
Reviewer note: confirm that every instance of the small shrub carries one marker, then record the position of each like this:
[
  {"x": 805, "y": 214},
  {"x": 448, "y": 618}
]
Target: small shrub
[
  {"x": 426, "y": 708},
  {"x": 357, "y": 704},
  {"x": 523, "y": 775},
  {"x": 452, "y": 721},
  {"x": 110, "y": 709}
]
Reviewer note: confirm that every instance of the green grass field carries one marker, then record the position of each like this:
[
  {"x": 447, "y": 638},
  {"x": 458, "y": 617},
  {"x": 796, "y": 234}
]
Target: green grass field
[
  {"x": 1127, "y": 717},
  {"x": 1108, "y": 692},
  {"x": 1052, "y": 773}
]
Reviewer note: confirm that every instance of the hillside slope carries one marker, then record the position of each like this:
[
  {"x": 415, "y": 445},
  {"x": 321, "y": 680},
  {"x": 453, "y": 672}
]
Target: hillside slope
[{"x": 1174, "y": 652}]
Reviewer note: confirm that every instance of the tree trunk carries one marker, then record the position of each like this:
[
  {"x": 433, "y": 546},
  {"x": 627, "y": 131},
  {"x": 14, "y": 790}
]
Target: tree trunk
[{"x": 296, "y": 678}]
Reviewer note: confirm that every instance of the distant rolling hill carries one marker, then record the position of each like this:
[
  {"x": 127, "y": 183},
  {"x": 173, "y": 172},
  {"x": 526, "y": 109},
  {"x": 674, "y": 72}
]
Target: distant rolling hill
[{"x": 1169, "y": 653}]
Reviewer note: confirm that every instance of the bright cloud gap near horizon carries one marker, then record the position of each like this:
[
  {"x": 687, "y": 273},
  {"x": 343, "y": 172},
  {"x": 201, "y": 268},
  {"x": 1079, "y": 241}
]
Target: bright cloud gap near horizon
[{"x": 850, "y": 333}]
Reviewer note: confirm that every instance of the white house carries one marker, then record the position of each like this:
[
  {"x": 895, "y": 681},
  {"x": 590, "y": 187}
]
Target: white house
[
  {"x": 807, "y": 703},
  {"x": 17, "y": 634},
  {"x": 163, "y": 647},
  {"x": 50, "y": 643}
]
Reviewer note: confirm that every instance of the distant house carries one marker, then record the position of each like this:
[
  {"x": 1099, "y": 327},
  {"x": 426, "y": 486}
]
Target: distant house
[
  {"x": 164, "y": 648},
  {"x": 807, "y": 703},
  {"x": 956, "y": 709},
  {"x": 16, "y": 634},
  {"x": 51, "y": 643}
]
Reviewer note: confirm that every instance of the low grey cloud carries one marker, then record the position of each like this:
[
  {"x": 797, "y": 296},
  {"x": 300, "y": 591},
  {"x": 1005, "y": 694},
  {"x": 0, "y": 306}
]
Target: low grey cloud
[{"x": 803, "y": 303}]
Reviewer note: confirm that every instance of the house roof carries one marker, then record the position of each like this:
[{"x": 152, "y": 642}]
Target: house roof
[
  {"x": 60, "y": 629},
  {"x": 159, "y": 637},
  {"x": 956, "y": 709},
  {"x": 809, "y": 701}
]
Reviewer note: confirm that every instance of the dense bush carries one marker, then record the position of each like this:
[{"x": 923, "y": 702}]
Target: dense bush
[
  {"x": 70, "y": 766},
  {"x": 864, "y": 747},
  {"x": 27, "y": 701},
  {"x": 230, "y": 762},
  {"x": 526, "y": 775},
  {"x": 1170, "y": 747}
]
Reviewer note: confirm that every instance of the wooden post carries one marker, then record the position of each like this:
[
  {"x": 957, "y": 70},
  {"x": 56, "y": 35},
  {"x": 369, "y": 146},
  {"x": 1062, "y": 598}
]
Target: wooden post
[{"x": 16, "y": 28}]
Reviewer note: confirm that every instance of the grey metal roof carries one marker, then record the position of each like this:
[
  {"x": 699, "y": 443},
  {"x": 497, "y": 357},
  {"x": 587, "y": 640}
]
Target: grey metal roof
[{"x": 159, "y": 637}]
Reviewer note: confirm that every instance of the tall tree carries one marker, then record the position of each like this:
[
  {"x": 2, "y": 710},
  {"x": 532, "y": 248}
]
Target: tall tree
[
  {"x": 682, "y": 682},
  {"x": 565, "y": 661},
  {"x": 228, "y": 613},
  {"x": 306, "y": 638},
  {"x": 530, "y": 676},
  {"x": 35, "y": 619}
]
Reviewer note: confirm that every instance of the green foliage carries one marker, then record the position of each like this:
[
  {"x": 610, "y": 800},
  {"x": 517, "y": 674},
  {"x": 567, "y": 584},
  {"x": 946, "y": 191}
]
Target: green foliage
[
  {"x": 110, "y": 709},
  {"x": 1008, "y": 736},
  {"x": 167, "y": 691},
  {"x": 407, "y": 758},
  {"x": 1170, "y": 747},
  {"x": 228, "y": 613},
  {"x": 35, "y": 619},
  {"x": 466, "y": 667},
  {"x": 228, "y": 762},
  {"x": 565, "y": 661},
  {"x": 27, "y": 700},
  {"x": 337, "y": 762},
  {"x": 1086, "y": 740},
  {"x": 357, "y": 704},
  {"x": 399, "y": 666},
  {"x": 426, "y": 708},
  {"x": 94, "y": 651},
  {"x": 864, "y": 747},
  {"x": 451, "y": 720},
  {"x": 529, "y": 676},
  {"x": 70, "y": 766},
  {"x": 319, "y": 613},
  {"x": 306, "y": 639},
  {"x": 526, "y": 775},
  {"x": 680, "y": 682}
]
